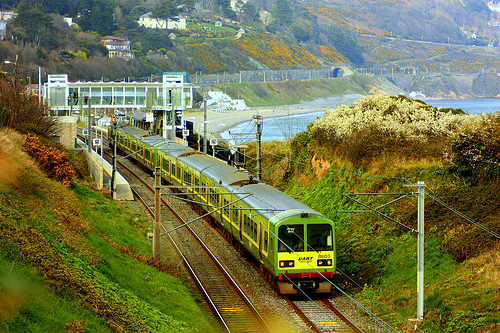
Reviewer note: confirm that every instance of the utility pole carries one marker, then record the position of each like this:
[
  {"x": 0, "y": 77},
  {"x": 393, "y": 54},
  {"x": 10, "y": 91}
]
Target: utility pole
[
  {"x": 258, "y": 121},
  {"x": 40, "y": 85},
  {"x": 156, "y": 227},
  {"x": 113, "y": 174},
  {"x": 420, "y": 255},
  {"x": 205, "y": 126},
  {"x": 89, "y": 147}
]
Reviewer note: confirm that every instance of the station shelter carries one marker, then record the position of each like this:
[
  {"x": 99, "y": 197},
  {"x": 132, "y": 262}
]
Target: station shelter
[{"x": 166, "y": 99}]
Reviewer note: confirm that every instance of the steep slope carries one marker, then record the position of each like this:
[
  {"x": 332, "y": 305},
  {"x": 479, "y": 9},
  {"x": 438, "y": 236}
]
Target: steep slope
[{"x": 73, "y": 260}]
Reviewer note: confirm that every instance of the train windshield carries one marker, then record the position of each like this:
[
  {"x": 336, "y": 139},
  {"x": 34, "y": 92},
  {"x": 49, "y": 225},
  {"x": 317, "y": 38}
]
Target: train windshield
[
  {"x": 291, "y": 238},
  {"x": 319, "y": 237}
]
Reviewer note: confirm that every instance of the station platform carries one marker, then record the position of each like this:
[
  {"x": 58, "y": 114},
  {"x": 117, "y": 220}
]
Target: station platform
[{"x": 101, "y": 170}]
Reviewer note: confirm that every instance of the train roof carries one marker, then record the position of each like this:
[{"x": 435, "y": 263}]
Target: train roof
[
  {"x": 261, "y": 197},
  {"x": 269, "y": 201},
  {"x": 168, "y": 146},
  {"x": 215, "y": 169}
]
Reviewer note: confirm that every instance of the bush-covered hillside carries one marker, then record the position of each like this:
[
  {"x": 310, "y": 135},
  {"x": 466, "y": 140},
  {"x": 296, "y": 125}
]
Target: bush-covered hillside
[
  {"x": 72, "y": 260},
  {"x": 433, "y": 36},
  {"x": 384, "y": 145}
]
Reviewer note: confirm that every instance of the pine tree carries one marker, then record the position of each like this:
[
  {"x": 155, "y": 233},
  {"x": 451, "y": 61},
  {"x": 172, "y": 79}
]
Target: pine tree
[{"x": 282, "y": 13}]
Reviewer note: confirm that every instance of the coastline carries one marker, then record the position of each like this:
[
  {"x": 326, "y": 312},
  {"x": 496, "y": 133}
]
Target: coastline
[{"x": 218, "y": 122}]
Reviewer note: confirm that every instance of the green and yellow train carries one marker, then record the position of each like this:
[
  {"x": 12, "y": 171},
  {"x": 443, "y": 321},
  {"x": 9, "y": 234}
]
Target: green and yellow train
[{"x": 294, "y": 245}]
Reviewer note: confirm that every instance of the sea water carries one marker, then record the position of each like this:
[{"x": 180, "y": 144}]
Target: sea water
[{"x": 286, "y": 127}]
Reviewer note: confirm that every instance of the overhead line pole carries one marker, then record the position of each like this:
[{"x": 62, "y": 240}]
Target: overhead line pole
[
  {"x": 156, "y": 227},
  {"x": 258, "y": 121},
  {"x": 205, "y": 126}
]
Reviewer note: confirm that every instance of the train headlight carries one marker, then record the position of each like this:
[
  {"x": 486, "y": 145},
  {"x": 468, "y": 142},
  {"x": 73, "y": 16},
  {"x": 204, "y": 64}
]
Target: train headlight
[
  {"x": 287, "y": 263},
  {"x": 324, "y": 262}
]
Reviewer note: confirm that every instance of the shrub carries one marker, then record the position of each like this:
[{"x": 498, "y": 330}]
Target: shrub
[
  {"x": 377, "y": 124},
  {"x": 475, "y": 152},
  {"x": 52, "y": 161},
  {"x": 21, "y": 111}
]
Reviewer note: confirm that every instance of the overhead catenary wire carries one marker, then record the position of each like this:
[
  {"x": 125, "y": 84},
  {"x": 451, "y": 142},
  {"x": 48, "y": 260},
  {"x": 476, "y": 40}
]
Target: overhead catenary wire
[{"x": 425, "y": 265}]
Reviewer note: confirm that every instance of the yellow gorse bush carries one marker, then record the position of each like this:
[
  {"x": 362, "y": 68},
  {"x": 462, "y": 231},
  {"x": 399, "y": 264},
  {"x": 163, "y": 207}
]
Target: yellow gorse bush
[
  {"x": 206, "y": 54},
  {"x": 275, "y": 54},
  {"x": 54, "y": 162}
]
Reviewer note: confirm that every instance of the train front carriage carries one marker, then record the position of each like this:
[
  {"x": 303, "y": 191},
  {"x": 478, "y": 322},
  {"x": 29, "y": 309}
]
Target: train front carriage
[
  {"x": 299, "y": 243},
  {"x": 305, "y": 252}
]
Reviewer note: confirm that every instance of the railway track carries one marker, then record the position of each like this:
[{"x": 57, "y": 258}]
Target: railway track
[
  {"x": 322, "y": 316},
  {"x": 230, "y": 305},
  {"x": 228, "y": 302}
]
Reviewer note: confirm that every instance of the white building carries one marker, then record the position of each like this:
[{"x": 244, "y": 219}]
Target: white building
[
  {"x": 7, "y": 15},
  {"x": 153, "y": 23},
  {"x": 177, "y": 22},
  {"x": 118, "y": 47},
  {"x": 495, "y": 7},
  {"x": 3, "y": 29}
]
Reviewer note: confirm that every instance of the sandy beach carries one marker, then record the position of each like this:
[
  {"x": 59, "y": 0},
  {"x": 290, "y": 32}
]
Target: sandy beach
[{"x": 219, "y": 122}]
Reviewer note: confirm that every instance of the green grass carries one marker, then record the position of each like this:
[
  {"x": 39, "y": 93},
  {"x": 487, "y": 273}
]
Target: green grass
[
  {"x": 274, "y": 93},
  {"x": 72, "y": 258},
  {"x": 380, "y": 256}
]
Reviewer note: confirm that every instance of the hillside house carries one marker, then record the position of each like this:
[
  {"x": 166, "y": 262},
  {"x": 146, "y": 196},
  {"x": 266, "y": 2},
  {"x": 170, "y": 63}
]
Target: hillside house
[
  {"x": 494, "y": 7},
  {"x": 3, "y": 29},
  {"x": 118, "y": 47},
  {"x": 7, "y": 15},
  {"x": 177, "y": 22},
  {"x": 150, "y": 22}
]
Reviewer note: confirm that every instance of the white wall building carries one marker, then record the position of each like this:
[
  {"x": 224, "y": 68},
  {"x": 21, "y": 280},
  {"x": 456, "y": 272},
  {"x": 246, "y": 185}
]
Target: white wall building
[
  {"x": 177, "y": 22},
  {"x": 3, "y": 29}
]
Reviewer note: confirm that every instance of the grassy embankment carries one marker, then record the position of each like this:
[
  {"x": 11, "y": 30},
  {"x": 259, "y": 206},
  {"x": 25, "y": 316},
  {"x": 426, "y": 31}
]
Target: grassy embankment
[
  {"x": 275, "y": 93},
  {"x": 376, "y": 255},
  {"x": 73, "y": 260}
]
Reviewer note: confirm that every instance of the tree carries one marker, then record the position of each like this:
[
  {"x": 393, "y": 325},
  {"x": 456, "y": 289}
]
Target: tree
[
  {"x": 165, "y": 9},
  {"x": 36, "y": 25},
  {"x": 60, "y": 7},
  {"x": 300, "y": 33},
  {"x": 282, "y": 13},
  {"x": 345, "y": 44},
  {"x": 249, "y": 12},
  {"x": 188, "y": 4},
  {"x": 97, "y": 15},
  {"x": 303, "y": 29},
  {"x": 21, "y": 111}
]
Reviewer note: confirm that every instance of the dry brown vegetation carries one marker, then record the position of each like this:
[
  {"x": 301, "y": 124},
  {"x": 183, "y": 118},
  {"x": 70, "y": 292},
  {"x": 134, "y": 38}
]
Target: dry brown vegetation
[{"x": 21, "y": 111}]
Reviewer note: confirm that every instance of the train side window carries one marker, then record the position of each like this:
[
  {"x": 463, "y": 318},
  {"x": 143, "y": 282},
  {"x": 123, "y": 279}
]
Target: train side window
[
  {"x": 178, "y": 173},
  {"x": 291, "y": 238},
  {"x": 251, "y": 228},
  {"x": 226, "y": 209},
  {"x": 187, "y": 178},
  {"x": 265, "y": 241},
  {"x": 235, "y": 215},
  {"x": 165, "y": 165},
  {"x": 246, "y": 224},
  {"x": 213, "y": 196},
  {"x": 197, "y": 183},
  {"x": 255, "y": 231},
  {"x": 319, "y": 237}
]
